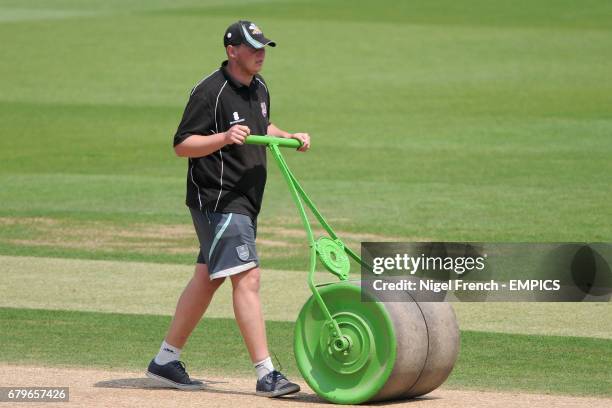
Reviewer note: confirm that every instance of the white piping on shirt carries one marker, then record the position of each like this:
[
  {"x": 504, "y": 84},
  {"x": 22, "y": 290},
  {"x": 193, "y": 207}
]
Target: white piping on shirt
[
  {"x": 220, "y": 181},
  {"x": 261, "y": 82},
  {"x": 202, "y": 80},
  {"x": 220, "y": 153},
  {"x": 191, "y": 164},
  {"x": 217, "y": 104}
]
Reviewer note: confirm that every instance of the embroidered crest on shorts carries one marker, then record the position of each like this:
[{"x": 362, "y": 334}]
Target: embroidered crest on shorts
[{"x": 243, "y": 252}]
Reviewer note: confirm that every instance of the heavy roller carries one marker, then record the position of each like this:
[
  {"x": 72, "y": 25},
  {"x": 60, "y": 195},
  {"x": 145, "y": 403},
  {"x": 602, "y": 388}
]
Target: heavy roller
[{"x": 350, "y": 347}]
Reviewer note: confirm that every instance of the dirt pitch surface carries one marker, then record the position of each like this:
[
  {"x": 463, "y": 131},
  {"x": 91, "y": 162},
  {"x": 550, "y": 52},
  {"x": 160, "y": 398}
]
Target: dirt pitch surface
[{"x": 104, "y": 388}]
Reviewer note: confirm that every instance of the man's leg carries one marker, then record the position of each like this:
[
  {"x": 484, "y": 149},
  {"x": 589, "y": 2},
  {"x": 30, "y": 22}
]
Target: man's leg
[
  {"x": 191, "y": 305},
  {"x": 249, "y": 316}
]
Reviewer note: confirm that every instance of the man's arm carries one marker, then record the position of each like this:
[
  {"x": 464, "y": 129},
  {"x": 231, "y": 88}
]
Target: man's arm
[
  {"x": 302, "y": 137},
  {"x": 200, "y": 146},
  {"x": 275, "y": 131}
]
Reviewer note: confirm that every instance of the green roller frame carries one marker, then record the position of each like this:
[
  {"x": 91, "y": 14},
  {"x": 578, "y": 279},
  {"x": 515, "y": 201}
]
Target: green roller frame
[{"x": 345, "y": 348}]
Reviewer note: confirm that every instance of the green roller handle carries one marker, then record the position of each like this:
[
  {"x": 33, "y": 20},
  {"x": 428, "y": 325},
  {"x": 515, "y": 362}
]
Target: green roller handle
[
  {"x": 271, "y": 140},
  {"x": 297, "y": 193}
]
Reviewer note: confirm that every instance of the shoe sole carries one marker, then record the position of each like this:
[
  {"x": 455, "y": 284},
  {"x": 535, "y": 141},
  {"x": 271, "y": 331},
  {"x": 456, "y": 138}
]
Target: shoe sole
[
  {"x": 278, "y": 393},
  {"x": 184, "y": 387}
]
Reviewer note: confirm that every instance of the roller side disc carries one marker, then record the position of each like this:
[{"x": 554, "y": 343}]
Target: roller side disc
[{"x": 351, "y": 376}]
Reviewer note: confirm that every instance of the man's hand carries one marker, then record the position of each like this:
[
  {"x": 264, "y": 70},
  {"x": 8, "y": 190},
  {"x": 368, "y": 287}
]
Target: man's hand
[
  {"x": 304, "y": 138},
  {"x": 237, "y": 134}
]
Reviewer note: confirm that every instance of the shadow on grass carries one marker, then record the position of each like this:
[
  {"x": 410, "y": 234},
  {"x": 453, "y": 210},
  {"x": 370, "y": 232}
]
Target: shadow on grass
[
  {"x": 211, "y": 386},
  {"x": 224, "y": 387}
]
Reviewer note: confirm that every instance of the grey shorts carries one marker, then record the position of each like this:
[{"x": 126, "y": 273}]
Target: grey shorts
[{"x": 227, "y": 242}]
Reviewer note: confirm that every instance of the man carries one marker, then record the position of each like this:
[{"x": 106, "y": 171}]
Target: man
[{"x": 225, "y": 185}]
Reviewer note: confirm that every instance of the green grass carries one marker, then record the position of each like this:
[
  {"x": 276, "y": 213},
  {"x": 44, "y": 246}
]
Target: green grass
[
  {"x": 544, "y": 364},
  {"x": 445, "y": 121},
  {"x": 124, "y": 340},
  {"x": 430, "y": 121},
  {"x": 549, "y": 364},
  {"x": 109, "y": 287}
]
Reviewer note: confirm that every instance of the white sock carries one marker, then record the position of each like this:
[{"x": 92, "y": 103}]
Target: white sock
[
  {"x": 167, "y": 353},
  {"x": 263, "y": 368}
]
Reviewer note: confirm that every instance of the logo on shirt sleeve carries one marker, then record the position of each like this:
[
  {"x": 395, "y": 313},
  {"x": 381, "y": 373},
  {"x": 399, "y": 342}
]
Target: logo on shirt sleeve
[{"x": 264, "y": 110}]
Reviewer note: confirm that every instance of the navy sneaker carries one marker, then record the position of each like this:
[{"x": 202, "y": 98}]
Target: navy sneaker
[
  {"x": 174, "y": 375},
  {"x": 275, "y": 384}
]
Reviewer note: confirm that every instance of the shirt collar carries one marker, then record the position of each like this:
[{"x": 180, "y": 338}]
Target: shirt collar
[{"x": 233, "y": 81}]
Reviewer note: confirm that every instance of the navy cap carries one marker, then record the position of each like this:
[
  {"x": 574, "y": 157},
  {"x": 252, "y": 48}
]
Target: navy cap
[{"x": 246, "y": 32}]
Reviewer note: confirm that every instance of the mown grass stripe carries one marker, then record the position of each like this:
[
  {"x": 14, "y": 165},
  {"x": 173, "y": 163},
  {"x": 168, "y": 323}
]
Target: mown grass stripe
[{"x": 111, "y": 287}]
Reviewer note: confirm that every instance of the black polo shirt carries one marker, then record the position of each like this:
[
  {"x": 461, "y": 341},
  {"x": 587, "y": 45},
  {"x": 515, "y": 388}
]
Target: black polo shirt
[{"x": 233, "y": 178}]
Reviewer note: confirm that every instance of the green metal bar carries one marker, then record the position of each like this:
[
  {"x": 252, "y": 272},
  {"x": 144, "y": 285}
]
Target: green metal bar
[
  {"x": 313, "y": 208},
  {"x": 294, "y": 143},
  {"x": 313, "y": 255},
  {"x": 322, "y": 220},
  {"x": 298, "y": 194},
  {"x": 316, "y": 212},
  {"x": 271, "y": 140}
]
